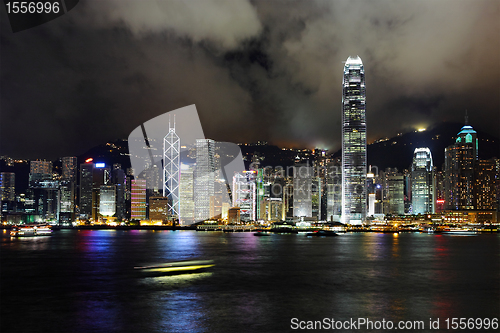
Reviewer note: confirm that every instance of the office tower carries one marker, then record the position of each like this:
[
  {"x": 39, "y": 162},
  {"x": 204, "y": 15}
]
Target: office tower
[
  {"x": 272, "y": 209},
  {"x": 244, "y": 194},
  {"x": 118, "y": 179},
  {"x": 41, "y": 167},
  {"x": 138, "y": 200},
  {"x": 40, "y": 171},
  {"x": 460, "y": 163},
  {"x": 45, "y": 191},
  {"x": 302, "y": 190},
  {"x": 395, "y": 195},
  {"x": 422, "y": 182},
  {"x": 334, "y": 192},
  {"x": 260, "y": 194},
  {"x": 67, "y": 198},
  {"x": 316, "y": 194},
  {"x": 154, "y": 179},
  {"x": 439, "y": 191},
  {"x": 186, "y": 194},
  {"x": 86, "y": 183},
  {"x": 67, "y": 188},
  {"x": 371, "y": 189},
  {"x": 69, "y": 168},
  {"x": 159, "y": 209},
  {"x": 233, "y": 215},
  {"x": 171, "y": 169},
  {"x": 485, "y": 187},
  {"x": 497, "y": 182},
  {"x": 204, "y": 181},
  {"x": 101, "y": 176},
  {"x": 7, "y": 186},
  {"x": 353, "y": 142},
  {"x": 107, "y": 200}
]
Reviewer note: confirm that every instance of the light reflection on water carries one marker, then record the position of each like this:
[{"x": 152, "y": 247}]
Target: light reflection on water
[{"x": 84, "y": 281}]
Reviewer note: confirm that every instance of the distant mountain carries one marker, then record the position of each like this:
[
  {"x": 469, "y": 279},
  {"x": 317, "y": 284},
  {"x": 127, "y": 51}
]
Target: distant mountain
[
  {"x": 398, "y": 151},
  {"x": 109, "y": 153}
]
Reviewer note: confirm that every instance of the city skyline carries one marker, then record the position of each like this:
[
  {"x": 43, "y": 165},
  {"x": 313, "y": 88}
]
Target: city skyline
[{"x": 276, "y": 67}]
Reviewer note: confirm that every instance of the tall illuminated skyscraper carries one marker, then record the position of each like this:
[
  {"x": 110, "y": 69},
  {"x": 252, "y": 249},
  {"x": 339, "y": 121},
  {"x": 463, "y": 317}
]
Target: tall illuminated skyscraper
[
  {"x": 86, "y": 185},
  {"x": 460, "y": 163},
  {"x": 244, "y": 195},
  {"x": 186, "y": 194},
  {"x": 7, "y": 186},
  {"x": 171, "y": 169},
  {"x": 138, "y": 199},
  {"x": 69, "y": 168},
  {"x": 302, "y": 191},
  {"x": 353, "y": 142},
  {"x": 422, "y": 182},
  {"x": 204, "y": 182}
]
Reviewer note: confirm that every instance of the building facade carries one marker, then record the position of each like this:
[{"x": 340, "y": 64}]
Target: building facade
[
  {"x": 244, "y": 194},
  {"x": 353, "y": 142},
  {"x": 422, "y": 182},
  {"x": 204, "y": 182},
  {"x": 172, "y": 170},
  {"x": 460, "y": 164},
  {"x": 138, "y": 199}
]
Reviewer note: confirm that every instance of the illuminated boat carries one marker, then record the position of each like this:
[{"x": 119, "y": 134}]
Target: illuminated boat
[
  {"x": 322, "y": 233},
  {"x": 175, "y": 268},
  {"x": 460, "y": 231},
  {"x": 31, "y": 231},
  {"x": 261, "y": 233}
]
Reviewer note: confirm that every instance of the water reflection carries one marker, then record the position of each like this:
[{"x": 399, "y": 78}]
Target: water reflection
[{"x": 258, "y": 283}]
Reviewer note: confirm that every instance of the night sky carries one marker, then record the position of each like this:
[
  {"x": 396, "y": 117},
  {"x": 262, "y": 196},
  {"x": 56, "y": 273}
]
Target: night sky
[{"x": 256, "y": 70}]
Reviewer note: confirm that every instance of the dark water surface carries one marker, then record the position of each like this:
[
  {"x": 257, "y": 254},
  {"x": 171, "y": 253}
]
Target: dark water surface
[{"x": 83, "y": 281}]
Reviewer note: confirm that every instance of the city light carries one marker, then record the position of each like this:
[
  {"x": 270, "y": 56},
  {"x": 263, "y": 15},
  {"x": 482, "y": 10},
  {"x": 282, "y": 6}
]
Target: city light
[
  {"x": 88, "y": 160},
  {"x": 100, "y": 165}
]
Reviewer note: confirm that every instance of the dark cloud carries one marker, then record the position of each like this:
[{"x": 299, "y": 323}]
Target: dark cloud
[{"x": 268, "y": 70}]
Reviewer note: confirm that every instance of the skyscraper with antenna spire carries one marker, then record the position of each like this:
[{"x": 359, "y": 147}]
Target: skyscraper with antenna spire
[{"x": 171, "y": 169}]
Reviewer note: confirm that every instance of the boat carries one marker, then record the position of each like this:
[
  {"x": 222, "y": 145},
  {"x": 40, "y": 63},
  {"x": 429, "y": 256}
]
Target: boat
[
  {"x": 175, "y": 268},
  {"x": 260, "y": 233},
  {"x": 322, "y": 233},
  {"x": 31, "y": 231},
  {"x": 460, "y": 232}
]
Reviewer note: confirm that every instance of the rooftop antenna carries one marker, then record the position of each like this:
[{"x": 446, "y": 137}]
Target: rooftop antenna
[
  {"x": 466, "y": 118},
  {"x": 169, "y": 123}
]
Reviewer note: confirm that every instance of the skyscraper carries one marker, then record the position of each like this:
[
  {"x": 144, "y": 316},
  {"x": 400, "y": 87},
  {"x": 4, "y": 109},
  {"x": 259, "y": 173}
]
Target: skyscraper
[
  {"x": 302, "y": 191},
  {"x": 138, "y": 199},
  {"x": 171, "y": 169},
  {"x": 244, "y": 195},
  {"x": 69, "y": 168},
  {"x": 67, "y": 188},
  {"x": 353, "y": 142},
  {"x": 460, "y": 162},
  {"x": 204, "y": 181},
  {"x": 186, "y": 194},
  {"x": 422, "y": 182},
  {"x": 41, "y": 167},
  {"x": 86, "y": 185},
  {"x": 395, "y": 195},
  {"x": 7, "y": 186},
  {"x": 118, "y": 178},
  {"x": 107, "y": 200}
]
